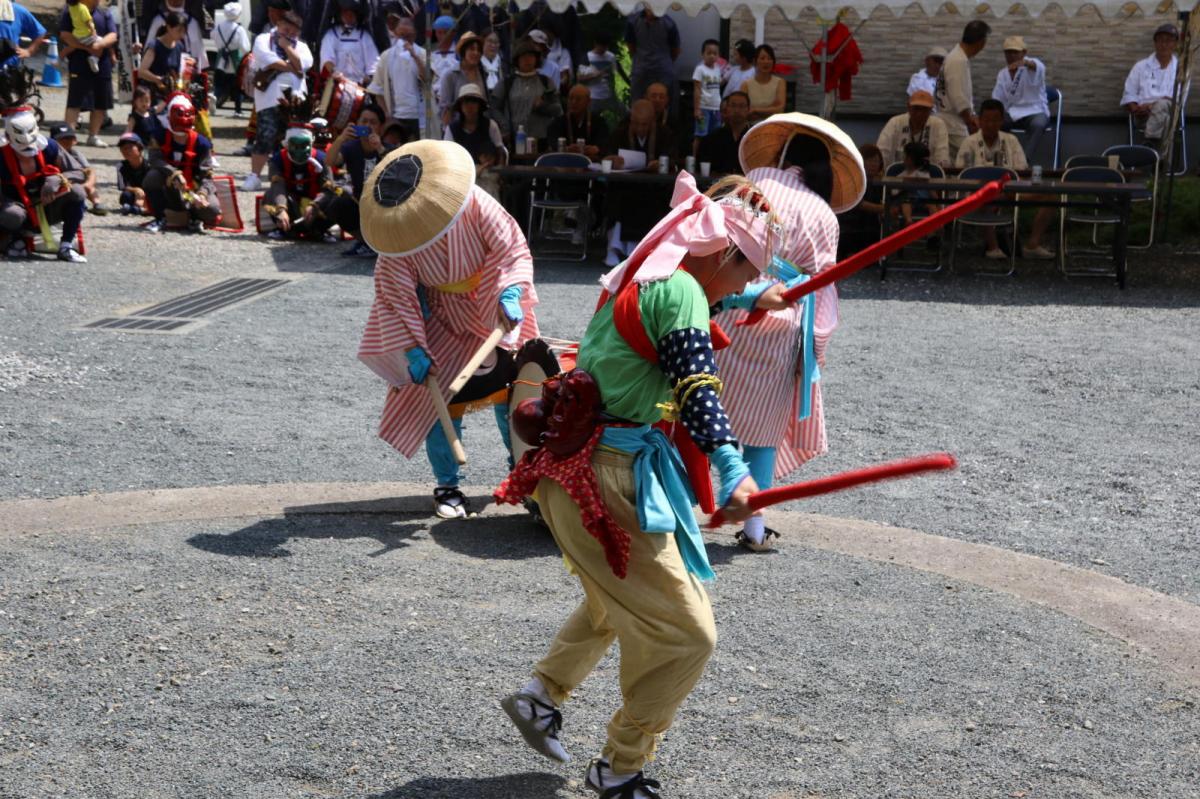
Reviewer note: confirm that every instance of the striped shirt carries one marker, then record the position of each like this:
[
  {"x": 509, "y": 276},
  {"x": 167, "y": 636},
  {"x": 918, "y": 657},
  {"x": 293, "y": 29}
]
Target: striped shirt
[
  {"x": 762, "y": 367},
  {"x": 483, "y": 253}
]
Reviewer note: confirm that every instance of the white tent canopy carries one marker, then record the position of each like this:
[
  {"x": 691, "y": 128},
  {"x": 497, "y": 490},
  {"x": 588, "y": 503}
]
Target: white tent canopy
[{"x": 828, "y": 9}]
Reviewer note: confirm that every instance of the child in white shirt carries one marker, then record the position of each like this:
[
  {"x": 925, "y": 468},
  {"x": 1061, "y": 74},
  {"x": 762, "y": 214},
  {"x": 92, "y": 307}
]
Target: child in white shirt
[
  {"x": 600, "y": 75},
  {"x": 706, "y": 89}
]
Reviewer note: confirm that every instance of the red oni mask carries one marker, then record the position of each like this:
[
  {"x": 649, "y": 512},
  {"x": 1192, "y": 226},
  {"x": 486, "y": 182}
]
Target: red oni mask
[
  {"x": 181, "y": 116},
  {"x": 564, "y": 418}
]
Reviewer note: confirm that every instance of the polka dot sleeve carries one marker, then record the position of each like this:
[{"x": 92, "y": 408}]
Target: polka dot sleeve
[{"x": 686, "y": 352}]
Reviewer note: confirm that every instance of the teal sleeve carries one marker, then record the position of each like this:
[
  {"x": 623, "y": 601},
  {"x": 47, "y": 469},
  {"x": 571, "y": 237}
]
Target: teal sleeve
[{"x": 731, "y": 469}]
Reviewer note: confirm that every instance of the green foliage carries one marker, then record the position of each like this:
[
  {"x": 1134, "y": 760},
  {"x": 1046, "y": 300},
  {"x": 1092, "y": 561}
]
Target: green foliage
[{"x": 612, "y": 22}]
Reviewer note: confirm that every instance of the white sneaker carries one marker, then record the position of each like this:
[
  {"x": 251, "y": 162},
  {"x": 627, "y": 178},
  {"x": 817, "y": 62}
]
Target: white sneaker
[
  {"x": 600, "y": 778},
  {"x": 69, "y": 255},
  {"x": 95, "y": 141},
  {"x": 215, "y": 161},
  {"x": 613, "y": 258},
  {"x": 252, "y": 183},
  {"x": 538, "y": 722}
]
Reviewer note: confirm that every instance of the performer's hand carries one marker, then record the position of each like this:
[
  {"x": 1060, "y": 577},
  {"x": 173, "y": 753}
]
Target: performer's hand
[
  {"x": 418, "y": 364},
  {"x": 737, "y": 509},
  {"x": 283, "y": 222},
  {"x": 310, "y": 212},
  {"x": 772, "y": 298},
  {"x": 199, "y": 200}
]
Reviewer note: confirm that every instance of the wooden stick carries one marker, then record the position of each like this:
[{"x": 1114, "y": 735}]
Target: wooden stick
[
  {"x": 443, "y": 413},
  {"x": 486, "y": 347}
]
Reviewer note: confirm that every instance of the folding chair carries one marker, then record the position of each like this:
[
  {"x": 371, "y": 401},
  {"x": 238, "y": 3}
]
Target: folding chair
[
  {"x": 1090, "y": 216},
  {"x": 1054, "y": 97},
  {"x": 987, "y": 217},
  {"x": 1087, "y": 160},
  {"x": 543, "y": 198},
  {"x": 1136, "y": 156},
  {"x": 935, "y": 173},
  {"x": 1181, "y": 150}
]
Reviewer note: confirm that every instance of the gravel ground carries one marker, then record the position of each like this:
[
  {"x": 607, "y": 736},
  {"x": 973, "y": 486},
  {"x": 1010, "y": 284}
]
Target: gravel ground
[{"x": 347, "y": 656}]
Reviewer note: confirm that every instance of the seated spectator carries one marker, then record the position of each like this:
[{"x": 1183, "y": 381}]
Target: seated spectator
[
  {"x": 636, "y": 209},
  {"x": 991, "y": 146},
  {"x": 479, "y": 135},
  {"x": 919, "y": 125},
  {"x": 469, "y": 72},
  {"x": 925, "y": 79},
  {"x": 395, "y": 134},
  {"x": 36, "y": 179},
  {"x": 742, "y": 69},
  {"x": 131, "y": 174},
  {"x": 179, "y": 186},
  {"x": 1150, "y": 87},
  {"x": 141, "y": 119},
  {"x": 660, "y": 97},
  {"x": 162, "y": 60},
  {"x": 720, "y": 148},
  {"x": 527, "y": 98},
  {"x": 1021, "y": 86},
  {"x": 860, "y": 226},
  {"x": 916, "y": 165},
  {"x": 766, "y": 90},
  {"x": 298, "y": 192},
  {"x": 357, "y": 149},
  {"x": 67, "y": 139},
  {"x": 580, "y": 123}
]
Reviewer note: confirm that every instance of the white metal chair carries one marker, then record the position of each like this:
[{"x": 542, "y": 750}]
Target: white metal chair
[
  {"x": 543, "y": 198},
  {"x": 1181, "y": 150},
  {"x": 1095, "y": 217},
  {"x": 988, "y": 217},
  {"x": 1054, "y": 97},
  {"x": 1136, "y": 156}
]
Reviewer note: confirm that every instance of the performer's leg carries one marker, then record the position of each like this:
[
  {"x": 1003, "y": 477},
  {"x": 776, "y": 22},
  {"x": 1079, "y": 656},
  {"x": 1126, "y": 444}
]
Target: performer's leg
[
  {"x": 70, "y": 207},
  {"x": 13, "y": 219},
  {"x": 501, "y": 411},
  {"x": 448, "y": 501},
  {"x": 761, "y": 461}
]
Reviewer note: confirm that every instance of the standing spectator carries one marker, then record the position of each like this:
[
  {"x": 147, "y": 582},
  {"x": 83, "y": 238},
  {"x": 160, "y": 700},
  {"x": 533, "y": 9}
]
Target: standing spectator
[
  {"x": 492, "y": 61},
  {"x": 558, "y": 53},
  {"x": 766, "y": 90},
  {"x": 720, "y": 148},
  {"x": 1021, "y": 86},
  {"x": 232, "y": 43},
  {"x": 706, "y": 91},
  {"x": 925, "y": 79},
  {"x": 581, "y": 122},
  {"x": 527, "y": 97},
  {"x": 443, "y": 60},
  {"x": 280, "y": 61},
  {"x": 131, "y": 174},
  {"x": 15, "y": 22},
  {"x": 162, "y": 58},
  {"x": 600, "y": 74},
  {"x": 653, "y": 42},
  {"x": 347, "y": 48},
  {"x": 397, "y": 82},
  {"x": 549, "y": 67},
  {"x": 85, "y": 87},
  {"x": 954, "y": 98},
  {"x": 917, "y": 125},
  {"x": 192, "y": 14},
  {"x": 742, "y": 69},
  {"x": 469, "y": 71},
  {"x": 1150, "y": 87}
]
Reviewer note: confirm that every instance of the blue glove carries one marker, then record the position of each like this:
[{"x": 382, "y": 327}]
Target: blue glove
[
  {"x": 731, "y": 468},
  {"x": 424, "y": 300},
  {"x": 418, "y": 364},
  {"x": 510, "y": 303},
  {"x": 747, "y": 298},
  {"x": 783, "y": 269}
]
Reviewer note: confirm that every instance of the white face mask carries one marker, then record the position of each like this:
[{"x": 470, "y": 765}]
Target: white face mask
[{"x": 22, "y": 132}]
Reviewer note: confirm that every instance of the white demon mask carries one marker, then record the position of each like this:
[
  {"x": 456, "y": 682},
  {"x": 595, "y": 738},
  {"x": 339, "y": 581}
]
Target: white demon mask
[{"x": 21, "y": 131}]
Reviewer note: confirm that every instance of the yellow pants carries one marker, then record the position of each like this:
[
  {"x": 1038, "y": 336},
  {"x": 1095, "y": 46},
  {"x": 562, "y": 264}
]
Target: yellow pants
[{"x": 660, "y": 614}]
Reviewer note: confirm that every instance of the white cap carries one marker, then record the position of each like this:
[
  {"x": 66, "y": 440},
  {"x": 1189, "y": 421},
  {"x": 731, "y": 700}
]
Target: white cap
[{"x": 232, "y": 10}]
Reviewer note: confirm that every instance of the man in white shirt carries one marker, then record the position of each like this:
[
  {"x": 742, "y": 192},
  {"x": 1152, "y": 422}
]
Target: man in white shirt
[
  {"x": 990, "y": 146},
  {"x": 925, "y": 80},
  {"x": 281, "y": 51},
  {"x": 347, "y": 47},
  {"x": 954, "y": 97},
  {"x": 916, "y": 125},
  {"x": 398, "y": 77},
  {"x": 1021, "y": 86},
  {"x": 1150, "y": 87}
]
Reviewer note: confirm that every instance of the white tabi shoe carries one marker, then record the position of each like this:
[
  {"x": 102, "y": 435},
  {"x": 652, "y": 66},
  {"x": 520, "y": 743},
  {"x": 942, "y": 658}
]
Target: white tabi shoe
[
  {"x": 601, "y": 779},
  {"x": 538, "y": 722}
]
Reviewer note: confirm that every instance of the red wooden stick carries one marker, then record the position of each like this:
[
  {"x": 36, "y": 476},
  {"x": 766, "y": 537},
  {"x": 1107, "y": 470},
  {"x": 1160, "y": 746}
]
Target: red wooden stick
[
  {"x": 884, "y": 247},
  {"x": 838, "y": 482}
]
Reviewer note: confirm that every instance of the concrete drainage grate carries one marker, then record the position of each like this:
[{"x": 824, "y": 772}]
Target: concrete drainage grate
[{"x": 182, "y": 314}]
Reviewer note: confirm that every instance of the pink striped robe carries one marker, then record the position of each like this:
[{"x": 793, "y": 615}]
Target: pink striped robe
[
  {"x": 485, "y": 240},
  {"x": 760, "y": 368}
]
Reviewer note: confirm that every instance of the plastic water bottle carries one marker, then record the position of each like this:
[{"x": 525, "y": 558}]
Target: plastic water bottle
[{"x": 522, "y": 141}]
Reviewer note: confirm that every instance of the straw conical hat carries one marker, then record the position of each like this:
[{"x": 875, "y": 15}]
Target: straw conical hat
[
  {"x": 765, "y": 144},
  {"x": 414, "y": 195}
]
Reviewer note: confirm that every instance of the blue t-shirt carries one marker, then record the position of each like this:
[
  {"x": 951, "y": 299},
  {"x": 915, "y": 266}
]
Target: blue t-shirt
[
  {"x": 77, "y": 60},
  {"x": 23, "y": 24}
]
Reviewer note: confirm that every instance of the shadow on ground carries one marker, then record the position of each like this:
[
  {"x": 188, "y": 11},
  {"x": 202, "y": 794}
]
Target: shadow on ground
[
  {"x": 516, "y": 537},
  {"x": 530, "y": 785},
  {"x": 267, "y": 538}
]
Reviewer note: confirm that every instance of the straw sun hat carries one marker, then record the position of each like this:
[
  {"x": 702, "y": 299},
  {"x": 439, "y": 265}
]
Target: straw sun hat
[
  {"x": 765, "y": 145},
  {"x": 414, "y": 195}
]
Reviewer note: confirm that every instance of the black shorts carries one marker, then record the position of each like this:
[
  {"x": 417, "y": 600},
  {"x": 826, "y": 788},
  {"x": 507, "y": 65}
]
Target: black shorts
[{"x": 89, "y": 91}]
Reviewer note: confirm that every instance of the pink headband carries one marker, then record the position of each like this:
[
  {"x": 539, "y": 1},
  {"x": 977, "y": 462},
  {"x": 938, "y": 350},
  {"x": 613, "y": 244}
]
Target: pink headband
[{"x": 696, "y": 225}]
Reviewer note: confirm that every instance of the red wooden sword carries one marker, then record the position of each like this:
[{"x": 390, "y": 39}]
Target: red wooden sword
[
  {"x": 863, "y": 259},
  {"x": 837, "y": 482}
]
